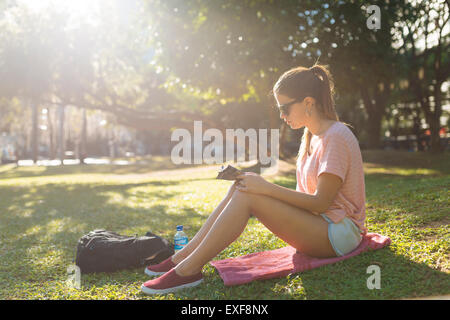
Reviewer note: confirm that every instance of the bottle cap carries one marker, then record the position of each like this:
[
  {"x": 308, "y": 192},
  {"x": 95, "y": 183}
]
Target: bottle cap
[{"x": 180, "y": 228}]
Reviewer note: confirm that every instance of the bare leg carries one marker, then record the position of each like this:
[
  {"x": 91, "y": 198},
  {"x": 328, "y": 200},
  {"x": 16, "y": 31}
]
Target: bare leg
[
  {"x": 300, "y": 228},
  {"x": 197, "y": 239}
]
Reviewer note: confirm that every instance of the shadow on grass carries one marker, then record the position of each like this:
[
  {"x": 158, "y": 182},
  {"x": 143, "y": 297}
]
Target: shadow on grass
[{"x": 40, "y": 226}]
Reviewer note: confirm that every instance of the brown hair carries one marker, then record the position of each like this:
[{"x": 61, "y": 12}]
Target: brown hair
[{"x": 315, "y": 82}]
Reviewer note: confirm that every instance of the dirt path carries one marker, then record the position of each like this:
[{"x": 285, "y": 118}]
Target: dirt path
[{"x": 284, "y": 167}]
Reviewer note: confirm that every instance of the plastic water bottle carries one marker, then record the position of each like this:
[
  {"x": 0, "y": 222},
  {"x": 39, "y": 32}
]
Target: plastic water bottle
[{"x": 180, "y": 239}]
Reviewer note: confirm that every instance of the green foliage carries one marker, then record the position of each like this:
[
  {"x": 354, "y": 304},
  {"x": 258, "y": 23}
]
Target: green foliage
[
  {"x": 233, "y": 46},
  {"x": 98, "y": 60},
  {"x": 191, "y": 55}
]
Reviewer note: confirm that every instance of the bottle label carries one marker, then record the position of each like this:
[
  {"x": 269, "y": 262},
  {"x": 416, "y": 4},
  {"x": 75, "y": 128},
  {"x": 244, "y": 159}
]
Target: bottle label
[{"x": 180, "y": 243}]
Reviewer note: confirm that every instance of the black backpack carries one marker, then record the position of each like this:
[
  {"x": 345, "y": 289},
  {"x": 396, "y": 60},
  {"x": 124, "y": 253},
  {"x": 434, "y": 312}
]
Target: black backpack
[{"x": 107, "y": 251}]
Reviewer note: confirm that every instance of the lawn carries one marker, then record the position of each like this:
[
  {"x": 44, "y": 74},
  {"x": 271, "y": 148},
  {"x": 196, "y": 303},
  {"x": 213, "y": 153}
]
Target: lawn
[{"x": 45, "y": 210}]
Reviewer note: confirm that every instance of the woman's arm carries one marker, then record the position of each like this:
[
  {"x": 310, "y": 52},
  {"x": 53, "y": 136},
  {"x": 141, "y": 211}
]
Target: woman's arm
[
  {"x": 310, "y": 202},
  {"x": 328, "y": 186}
]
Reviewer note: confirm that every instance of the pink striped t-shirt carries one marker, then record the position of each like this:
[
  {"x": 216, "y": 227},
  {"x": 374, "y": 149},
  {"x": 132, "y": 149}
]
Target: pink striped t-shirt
[{"x": 336, "y": 151}]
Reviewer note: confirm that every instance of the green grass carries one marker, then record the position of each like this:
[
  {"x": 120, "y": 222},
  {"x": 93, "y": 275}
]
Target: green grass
[{"x": 45, "y": 210}]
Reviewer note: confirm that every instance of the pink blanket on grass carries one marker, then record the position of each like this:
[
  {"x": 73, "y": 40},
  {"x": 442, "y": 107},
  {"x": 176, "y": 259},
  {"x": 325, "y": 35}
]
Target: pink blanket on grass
[{"x": 284, "y": 261}]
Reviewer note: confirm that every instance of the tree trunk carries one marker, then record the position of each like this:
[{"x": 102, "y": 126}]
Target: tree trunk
[
  {"x": 83, "y": 144},
  {"x": 375, "y": 111},
  {"x": 35, "y": 132},
  {"x": 435, "y": 140},
  {"x": 435, "y": 123},
  {"x": 417, "y": 131},
  {"x": 61, "y": 147},
  {"x": 395, "y": 131},
  {"x": 374, "y": 130},
  {"x": 51, "y": 135}
]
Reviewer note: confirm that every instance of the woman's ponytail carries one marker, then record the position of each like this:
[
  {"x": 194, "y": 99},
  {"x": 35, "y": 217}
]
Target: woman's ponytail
[{"x": 325, "y": 107}]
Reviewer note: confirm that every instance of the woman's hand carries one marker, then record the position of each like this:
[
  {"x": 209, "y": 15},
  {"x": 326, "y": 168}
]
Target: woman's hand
[{"x": 252, "y": 183}]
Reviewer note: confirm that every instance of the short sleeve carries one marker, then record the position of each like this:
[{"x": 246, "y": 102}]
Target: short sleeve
[{"x": 335, "y": 157}]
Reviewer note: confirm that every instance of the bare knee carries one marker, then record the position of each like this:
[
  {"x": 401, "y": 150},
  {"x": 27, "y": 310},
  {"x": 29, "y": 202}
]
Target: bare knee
[
  {"x": 244, "y": 199},
  {"x": 249, "y": 199},
  {"x": 240, "y": 196}
]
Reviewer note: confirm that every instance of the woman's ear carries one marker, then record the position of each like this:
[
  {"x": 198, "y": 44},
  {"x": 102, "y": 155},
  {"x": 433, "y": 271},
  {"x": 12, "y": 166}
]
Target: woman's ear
[{"x": 310, "y": 102}]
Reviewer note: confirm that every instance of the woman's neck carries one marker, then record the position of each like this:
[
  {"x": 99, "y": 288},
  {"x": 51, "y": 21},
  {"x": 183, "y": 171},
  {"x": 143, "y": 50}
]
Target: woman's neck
[{"x": 321, "y": 127}]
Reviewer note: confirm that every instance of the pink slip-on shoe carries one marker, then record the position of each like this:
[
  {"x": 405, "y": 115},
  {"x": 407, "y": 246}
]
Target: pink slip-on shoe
[
  {"x": 161, "y": 268},
  {"x": 170, "y": 282}
]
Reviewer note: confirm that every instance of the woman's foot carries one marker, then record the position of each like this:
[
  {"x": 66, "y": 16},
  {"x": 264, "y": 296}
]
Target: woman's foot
[
  {"x": 161, "y": 268},
  {"x": 171, "y": 282}
]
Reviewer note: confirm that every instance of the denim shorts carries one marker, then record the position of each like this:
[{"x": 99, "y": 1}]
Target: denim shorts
[{"x": 344, "y": 236}]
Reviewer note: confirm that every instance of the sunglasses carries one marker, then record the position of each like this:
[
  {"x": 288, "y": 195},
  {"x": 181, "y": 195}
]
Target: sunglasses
[{"x": 286, "y": 108}]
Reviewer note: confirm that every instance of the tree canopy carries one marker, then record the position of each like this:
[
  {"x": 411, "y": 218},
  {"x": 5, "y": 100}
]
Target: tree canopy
[{"x": 162, "y": 64}]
